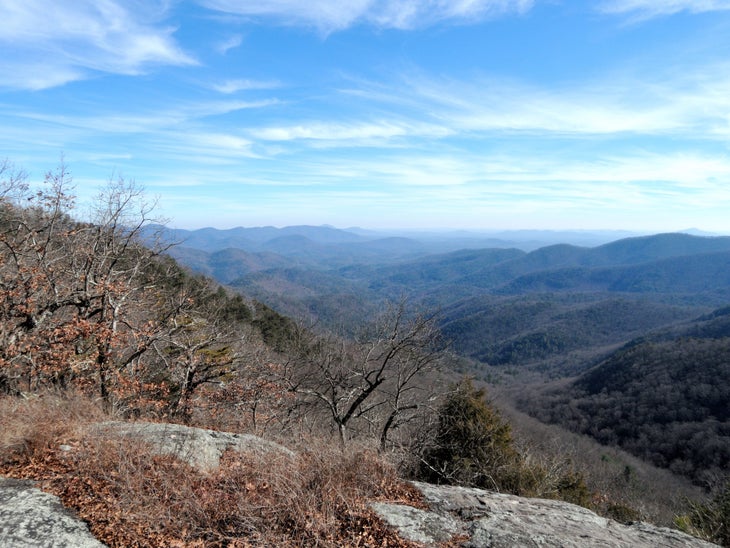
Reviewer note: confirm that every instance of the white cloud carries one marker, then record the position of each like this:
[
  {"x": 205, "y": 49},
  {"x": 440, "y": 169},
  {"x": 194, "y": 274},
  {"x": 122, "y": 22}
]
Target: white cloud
[
  {"x": 35, "y": 73},
  {"x": 645, "y": 9},
  {"x": 348, "y": 134},
  {"x": 615, "y": 190},
  {"x": 406, "y": 14},
  {"x": 334, "y": 15},
  {"x": 144, "y": 122},
  {"x": 231, "y": 43},
  {"x": 545, "y": 174},
  {"x": 53, "y": 43},
  {"x": 233, "y": 86},
  {"x": 692, "y": 103},
  {"x": 203, "y": 148}
]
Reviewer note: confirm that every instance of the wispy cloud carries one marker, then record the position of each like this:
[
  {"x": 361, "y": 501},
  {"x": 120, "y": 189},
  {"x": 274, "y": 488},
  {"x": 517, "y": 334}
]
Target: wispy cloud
[
  {"x": 693, "y": 104},
  {"x": 54, "y": 43},
  {"x": 236, "y": 85},
  {"x": 646, "y": 9},
  {"x": 203, "y": 148},
  {"x": 334, "y": 15},
  {"x": 545, "y": 173},
  {"x": 228, "y": 44},
  {"x": 692, "y": 101},
  {"x": 143, "y": 121},
  {"x": 353, "y": 134},
  {"x": 460, "y": 190}
]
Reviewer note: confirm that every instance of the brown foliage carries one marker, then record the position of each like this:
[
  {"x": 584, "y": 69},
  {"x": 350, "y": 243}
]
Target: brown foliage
[
  {"x": 133, "y": 498},
  {"x": 94, "y": 307}
]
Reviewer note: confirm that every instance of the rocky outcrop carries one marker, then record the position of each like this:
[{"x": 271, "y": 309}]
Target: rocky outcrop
[
  {"x": 198, "y": 447},
  {"x": 480, "y": 519},
  {"x": 472, "y": 518},
  {"x": 30, "y": 518}
]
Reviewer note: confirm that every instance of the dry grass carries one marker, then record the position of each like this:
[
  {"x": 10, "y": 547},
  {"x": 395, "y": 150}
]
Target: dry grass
[
  {"x": 130, "y": 497},
  {"x": 32, "y": 426}
]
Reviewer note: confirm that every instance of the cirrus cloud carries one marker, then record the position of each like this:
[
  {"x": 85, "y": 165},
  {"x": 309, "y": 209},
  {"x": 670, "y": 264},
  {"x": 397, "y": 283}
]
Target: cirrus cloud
[
  {"x": 53, "y": 43},
  {"x": 646, "y": 9},
  {"x": 333, "y": 15}
]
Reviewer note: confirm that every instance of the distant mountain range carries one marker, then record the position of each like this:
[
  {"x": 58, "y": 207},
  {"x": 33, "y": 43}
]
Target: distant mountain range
[
  {"x": 500, "y": 304},
  {"x": 327, "y": 242},
  {"x": 637, "y": 329}
]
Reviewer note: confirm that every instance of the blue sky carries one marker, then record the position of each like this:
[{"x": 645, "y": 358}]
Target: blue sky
[{"x": 473, "y": 114}]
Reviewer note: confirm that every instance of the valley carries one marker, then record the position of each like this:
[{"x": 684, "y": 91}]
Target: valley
[{"x": 624, "y": 342}]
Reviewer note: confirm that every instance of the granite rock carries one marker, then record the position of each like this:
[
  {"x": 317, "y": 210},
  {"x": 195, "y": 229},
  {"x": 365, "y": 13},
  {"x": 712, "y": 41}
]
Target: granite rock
[{"x": 481, "y": 519}]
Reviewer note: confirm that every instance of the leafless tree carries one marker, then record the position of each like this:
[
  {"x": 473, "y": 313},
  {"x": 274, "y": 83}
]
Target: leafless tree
[
  {"x": 67, "y": 287},
  {"x": 375, "y": 381},
  {"x": 198, "y": 343},
  {"x": 34, "y": 261}
]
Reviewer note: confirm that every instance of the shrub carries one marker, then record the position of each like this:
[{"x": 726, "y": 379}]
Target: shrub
[
  {"x": 32, "y": 426},
  {"x": 132, "y": 497},
  {"x": 709, "y": 521},
  {"x": 622, "y": 513},
  {"x": 472, "y": 445}
]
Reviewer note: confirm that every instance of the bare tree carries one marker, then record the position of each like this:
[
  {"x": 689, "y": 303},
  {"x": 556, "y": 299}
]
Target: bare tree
[
  {"x": 199, "y": 343},
  {"x": 66, "y": 287},
  {"x": 112, "y": 271},
  {"x": 375, "y": 380},
  {"x": 32, "y": 287}
]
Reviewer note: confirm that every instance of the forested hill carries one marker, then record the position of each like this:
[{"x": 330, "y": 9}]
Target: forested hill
[
  {"x": 650, "y": 248},
  {"x": 555, "y": 308},
  {"x": 320, "y": 246},
  {"x": 559, "y": 334},
  {"x": 701, "y": 275},
  {"x": 662, "y": 397},
  {"x": 558, "y": 311},
  {"x": 568, "y": 266},
  {"x": 384, "y": 268}
]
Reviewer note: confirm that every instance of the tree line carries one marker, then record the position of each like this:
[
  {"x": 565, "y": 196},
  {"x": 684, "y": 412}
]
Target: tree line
[{"x": 98, "y": 306}]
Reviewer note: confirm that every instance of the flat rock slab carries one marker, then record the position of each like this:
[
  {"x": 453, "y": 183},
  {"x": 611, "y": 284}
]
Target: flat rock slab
[
  {"x": 495, "y": 520},
  {"x": 30, "y": 518},
  {"x": 198, "y": 447}
]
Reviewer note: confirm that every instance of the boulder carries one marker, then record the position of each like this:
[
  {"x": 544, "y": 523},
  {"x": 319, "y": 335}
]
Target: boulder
[
  {"x": 480, "y": 519},
  {"x": 198, "y": 447},
  {"x": 30, "y": 518}
]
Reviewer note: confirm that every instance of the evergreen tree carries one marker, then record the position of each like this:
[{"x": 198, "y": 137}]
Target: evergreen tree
[{"x": 473, "y": 445}]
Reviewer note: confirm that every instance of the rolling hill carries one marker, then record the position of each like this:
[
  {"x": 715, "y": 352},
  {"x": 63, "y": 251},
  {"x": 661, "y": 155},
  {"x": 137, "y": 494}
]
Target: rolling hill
[
  {"x": 663, "y": 397},
  {"x": 556, "y": 308}
]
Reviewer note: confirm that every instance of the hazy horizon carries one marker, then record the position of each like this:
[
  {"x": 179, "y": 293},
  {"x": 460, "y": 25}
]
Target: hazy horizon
[{"x": 490, "y": 232}]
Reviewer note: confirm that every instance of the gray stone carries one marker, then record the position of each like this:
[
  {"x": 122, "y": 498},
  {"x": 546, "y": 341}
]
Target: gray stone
[
  {"x": 497, "y": 520},
  {"x": 30, "y": 518},
  {"x": 198, "y": 447},
  {"x": 416, "y": 524}
]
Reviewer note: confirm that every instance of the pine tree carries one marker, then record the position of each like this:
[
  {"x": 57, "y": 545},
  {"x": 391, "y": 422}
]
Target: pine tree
[{"x": 473, "y": 445}]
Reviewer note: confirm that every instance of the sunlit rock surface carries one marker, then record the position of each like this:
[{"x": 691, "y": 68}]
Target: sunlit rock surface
[
  {"x": 30, "y": 518},
  {"x": 482, "y": 518}
]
